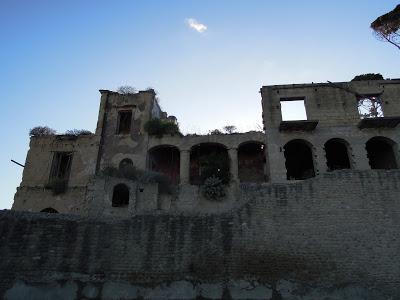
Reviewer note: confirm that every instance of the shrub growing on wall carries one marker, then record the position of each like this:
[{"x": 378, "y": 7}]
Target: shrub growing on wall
[
  {"x": 42, "y": 131},
  {"x": 215, "y": 132},
  {"x": 160, "y": 127},
  {"x": 368, "y": 76},
  {"x": 213, "y": 188},
  {"x": 78, "y": 132}
]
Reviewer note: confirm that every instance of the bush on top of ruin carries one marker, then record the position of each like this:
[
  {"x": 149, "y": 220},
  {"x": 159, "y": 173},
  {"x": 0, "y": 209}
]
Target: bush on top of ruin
[
  {"x": 78, "y": 132},
  {"x": 161, "y": 127},
  {"x": 42, "y": 131},
  {"x": 368, "y": 76},
  {"x": 229, "y": 129},
  {"x": 47, "y": 131},
  {"x": 215, "y": 132},
  {"x": 126, "y": 90}
]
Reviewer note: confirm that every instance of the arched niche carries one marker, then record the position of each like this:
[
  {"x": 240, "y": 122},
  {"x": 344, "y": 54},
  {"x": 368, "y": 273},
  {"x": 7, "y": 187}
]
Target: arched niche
[
  {"x": 381, "y": 153},
  {"x": 165, "y": 159},
  {"x": 337, "y": 154},
  {"x": 299, "y": 160},
  {"x": 209, "y": 159},
  {"x": 251, "y": 162}
]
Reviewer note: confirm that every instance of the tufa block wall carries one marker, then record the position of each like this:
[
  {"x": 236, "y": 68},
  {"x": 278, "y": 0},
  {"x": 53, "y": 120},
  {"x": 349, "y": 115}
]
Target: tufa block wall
[{"x": 336, "y": 236}]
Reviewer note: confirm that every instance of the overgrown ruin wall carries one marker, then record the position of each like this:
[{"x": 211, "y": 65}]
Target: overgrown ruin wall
[{"x": 336, "y": 236}]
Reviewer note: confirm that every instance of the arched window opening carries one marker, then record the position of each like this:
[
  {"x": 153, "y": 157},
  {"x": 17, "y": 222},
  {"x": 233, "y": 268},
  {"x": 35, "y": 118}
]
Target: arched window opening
[
  {"x": 337, "y": 156},
  {"x": 120, "y": 196},
  {"x": 165, "y": 160},
  {"x": 207, "y": 160},
  {"x": 299, "y": 160},
  {"x": 251, "y": 162},
  {"x": 49, "y": 210},
  {"x": 125, "y": 163},
  {"x": 381, "y": 154}
]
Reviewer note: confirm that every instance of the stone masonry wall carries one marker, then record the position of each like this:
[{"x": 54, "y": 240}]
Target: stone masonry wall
[{"x": 336, "y": 236}]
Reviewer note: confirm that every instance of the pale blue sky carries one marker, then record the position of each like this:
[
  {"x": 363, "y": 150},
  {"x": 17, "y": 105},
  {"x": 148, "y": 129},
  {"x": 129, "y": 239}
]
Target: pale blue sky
[{"x": 55, "y": 56}]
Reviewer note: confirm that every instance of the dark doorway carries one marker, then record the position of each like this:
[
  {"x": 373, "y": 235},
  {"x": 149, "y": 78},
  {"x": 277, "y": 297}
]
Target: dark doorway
[
  {"x": 207, "y": 160},
  {"x": 381, "y": 153},
  {"x": 299, "y": 160},
  {"x": 165, "y": 160},
  {"x": 251, "y": 162},
  {"x": 337, "y": 156},
  {"x": 120, "y": 196}
]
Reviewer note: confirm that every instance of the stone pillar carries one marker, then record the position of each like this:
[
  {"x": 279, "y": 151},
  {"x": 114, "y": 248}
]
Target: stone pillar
[
  {"x": 276, "y": 163},
  {"x": 319, "y": 157},
  {"x": 184, "y": 166},
  {"x": 358, "y": 157},
  {"x": 234, "y": 164}
]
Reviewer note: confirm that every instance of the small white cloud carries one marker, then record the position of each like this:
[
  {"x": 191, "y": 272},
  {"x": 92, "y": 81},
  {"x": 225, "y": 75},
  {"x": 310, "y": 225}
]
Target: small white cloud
[{"x": 195, "y": 25}]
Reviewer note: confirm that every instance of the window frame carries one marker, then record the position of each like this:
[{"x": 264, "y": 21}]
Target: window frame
[
  {"x": 292, "y": 99},
  {"x": 118, "y": 128},
  {"x": 56, "y": 166}
]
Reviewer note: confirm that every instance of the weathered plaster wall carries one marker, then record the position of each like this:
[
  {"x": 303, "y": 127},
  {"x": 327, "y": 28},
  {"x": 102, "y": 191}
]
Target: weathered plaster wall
[
  {"x": 32, "y": 194},
  {"x": 336, "y": 236},
  {"x": 142, "y": 197},
  {"x": 115, "y": 147},
  {"x": 328, "y": 104},
  {"x": 40, "y": 156},
  {"x": 35, "y": 199},
  {"x": 337, "y": 115}
]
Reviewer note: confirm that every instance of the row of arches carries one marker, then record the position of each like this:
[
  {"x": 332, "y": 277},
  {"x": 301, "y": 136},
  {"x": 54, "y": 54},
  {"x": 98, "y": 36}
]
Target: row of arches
[
  {"x": 207, "y": 159},
  {"x": 299, "y": 160}
]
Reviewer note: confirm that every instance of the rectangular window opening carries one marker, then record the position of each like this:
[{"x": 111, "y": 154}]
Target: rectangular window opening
[
  {"x": 61, "y": 165},
  {"x": 124, "y": 122},
  {"x": 369, "y": 106},
  {"x": 293, "y": 109}
]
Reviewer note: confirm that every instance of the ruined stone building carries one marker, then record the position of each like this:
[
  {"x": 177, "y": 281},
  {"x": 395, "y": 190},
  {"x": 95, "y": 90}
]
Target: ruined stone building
[
  {"x": 307, "y": 209},
  {"x": 342, "y": 130}
]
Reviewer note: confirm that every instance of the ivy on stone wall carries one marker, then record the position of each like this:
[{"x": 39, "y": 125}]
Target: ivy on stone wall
[{"x": 213, "y": 188}]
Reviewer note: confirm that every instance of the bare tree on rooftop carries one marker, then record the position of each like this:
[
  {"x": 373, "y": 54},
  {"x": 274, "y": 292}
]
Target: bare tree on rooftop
[
  {"x": 126, "y": 90},
  {"x": 230, "y": 129},
  {"x": 387, "y": 27}
]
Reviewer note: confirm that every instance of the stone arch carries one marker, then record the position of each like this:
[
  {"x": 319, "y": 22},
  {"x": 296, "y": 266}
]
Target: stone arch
[
  {"x": 49, "y": 210},
  {"x": 299, "y": 160},
  {"x": 120, "y": 197},
  {"x": 381, "y": 153},
  {"x": 125, "y": 163},
  {"x": 208, "y": 159},
  {"x": 337, "y": 154},
  {"x": 165, "y": 159},
  {"x": 251, "y": 161}
]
